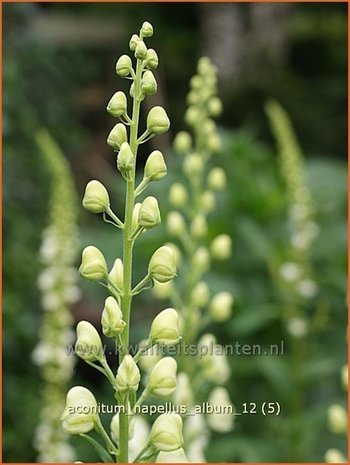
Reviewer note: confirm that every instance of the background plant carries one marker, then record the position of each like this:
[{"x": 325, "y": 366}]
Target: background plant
[{"x": 57, "y": 283}]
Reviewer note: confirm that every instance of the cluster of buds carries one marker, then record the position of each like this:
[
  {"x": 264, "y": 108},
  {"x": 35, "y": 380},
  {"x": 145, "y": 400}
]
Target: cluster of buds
[
  {"x": 294, "y": 274},
  {"x": 188, "y": 223},
  {"x": 80, "y": 415},
  {"x": 57, "y": 283}
]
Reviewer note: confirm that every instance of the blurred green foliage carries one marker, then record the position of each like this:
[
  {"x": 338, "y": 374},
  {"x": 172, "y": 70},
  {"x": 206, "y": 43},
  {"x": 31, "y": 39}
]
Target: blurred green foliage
[{"x": 49, "y": 83}]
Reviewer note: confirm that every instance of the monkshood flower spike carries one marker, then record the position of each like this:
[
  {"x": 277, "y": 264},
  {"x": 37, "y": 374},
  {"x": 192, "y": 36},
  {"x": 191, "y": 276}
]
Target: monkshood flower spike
[{"x": 80, "y": 416}]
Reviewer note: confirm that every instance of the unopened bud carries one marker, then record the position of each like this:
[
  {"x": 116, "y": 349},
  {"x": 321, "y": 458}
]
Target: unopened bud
[
  {"x": 199, "y": 226},
  {"x": 176, "y": 252},
  {"x": 175, "y": 224},
  {"x": 162, "y": 266},
  {"x": 112, "y": 318},
  {"x": 221, "y": 422},
  {"x": 128, "y": 375},
  {"x": 116, "y": 273},
  {"x": 337, "y": 419},
  {"x": 149, "y": 214},
  {"x": 88, "y": 345},
  {"x": 201, "y": 259},
  {"x": 162, "y": 379},
  {"x": 193, "y": 165},
  {"x": 217, "y": 179},
  {"x": 125, "y": 159},
  {"x": 166, "y": 432},
  {"x": 192, "y": 115},
  {"x": 80, "y": 413},
  {"x": 96, "y": 198},
  {"x": 140, "y": 50},
  {"x": 155, "y": 167},
  {"x": 344, "y": 377},
  {"x": 147, "y": 29},
  {"x": 135, "y": 39},
  {"x": 221, "y": 306},
  {"x": 123, "y": 66},
  {"x": 149, "y": 83},
  {"x": 216, "y": 368},
  {"x": 157, "y": 121},
  {"x": 149, "y": 358},
  {"x": 221, "y": 247},
  {"x": 213, "y": 143},
  {"x": 183, "y": 394},
  {"x": 117, "y": 105},
  {"x": 215, "y": 106},
  {"x": 208, "y": 201},
  {"x": 335, "y": 456},
  {"x": 93, "y": 264},
  {"x": 182, "y": 142},
  {"x": 165, "y": 327},
  {"x": 200, "y": 294},
  {"x": 196, "y": 82},
  {"x": 151, "y": 60},
  {"x": 117, "y": 136},
  {"x": 178, "y": 195}
]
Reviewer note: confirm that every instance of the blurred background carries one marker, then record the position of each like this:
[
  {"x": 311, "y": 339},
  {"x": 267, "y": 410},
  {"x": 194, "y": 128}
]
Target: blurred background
[{"x": 58, "y": 73}]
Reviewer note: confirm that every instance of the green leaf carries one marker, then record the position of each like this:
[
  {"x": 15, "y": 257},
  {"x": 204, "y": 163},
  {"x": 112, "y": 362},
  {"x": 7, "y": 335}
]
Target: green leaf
[
  {"x": 103, "y": 454},
  {"x": 253, "y": 320}
]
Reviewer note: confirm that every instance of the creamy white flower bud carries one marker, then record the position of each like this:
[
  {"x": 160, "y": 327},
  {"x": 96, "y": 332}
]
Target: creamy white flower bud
[
  {"x": 193, "y": 97},
  {"x": 123, "y": 66},
  {"x": 215, "y": 106},
  {"x": 199, "y": 226},
  {"x": 88, "y": 345},
  {"x": 135, "y": 216},
  {"x": 221, "y": 306},
  {"x": 201, "y": 259},
  {"x": 117, "y": 105},
  {"x": 157, "y": 121},
  {"x": 135, "y": 39},
  {"x": 125, "y": 159},
  {"x": 147, "y": 29},
  {"x": 128, "y": 375},
  {"x": 221, "y": 247},
  {"x": 140, "y": 50},
  {"x": 183, "y": 394},
  {"x": 93, "y": 264},
  {"x": 112, "y": 318},
  {"x": 221, "y": 422},
  {"x": 162, "y": 265},
  {"x": 117, "y": 136},
  {"x": 192, "y": 165},
  {"x": 213, "y": 143},
  {"x": 151, "y": 60},
  {"x": 162, "y": 378},
  {"x": 115, "y": 427},
  {"x": 209, "y": 126},
  {"x": 165, "y": 327},
  {"x": 335, "y": 456},
  {"x": 208, "y": 201},
  {"x": 217, "y": 179},
  {"x": 162, "y": 290},
  {"x": 178, "y": 195},
  {"x": 117, "y": 272},
  {"x": 155, "y": 167},
  {"x": 182, "y": 142},
  {"x": 149, "y": 83},
  {"x": 176, "y": 456},
  {"x": 149, "y": 214},
  {"x": 166, "y": 432},
  {"x": 192, "y": 115},
  {"x": 176, "y": 252},
  {"x": 344, "y": 377},
  {"x": 337, "y": 419},
  {"x": 96, "y": 198},
  {"x": 196, "y": 82},
  {"x": 176, "y": 225},
  {"x": 80, "y": 413},
  {"x": 200, "y": 294}
]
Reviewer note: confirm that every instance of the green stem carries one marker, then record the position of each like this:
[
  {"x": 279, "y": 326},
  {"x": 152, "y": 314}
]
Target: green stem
[
  {"x": 112, "y": 449},
  {"x": 126, "y": 297}
]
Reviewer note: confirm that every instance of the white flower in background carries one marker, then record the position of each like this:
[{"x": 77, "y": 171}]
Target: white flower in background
[
  {"x": 222, "y": 422},
  {"x": 290, "y": 271},
  {"x": 337, "y": 419},
  {"x": 307, "y": 288},
  {"x": 183, "y": 394},
  {"x": 140, "y": 436},
  {"x": 297, "y": 327},
  {"x": 196, "y": 436},
  {"x": 176, "y": 456},
  {"x": 344, "y": 377},
  {"x": 335, "y": 456},
  {"x": 216, "y": 368}
]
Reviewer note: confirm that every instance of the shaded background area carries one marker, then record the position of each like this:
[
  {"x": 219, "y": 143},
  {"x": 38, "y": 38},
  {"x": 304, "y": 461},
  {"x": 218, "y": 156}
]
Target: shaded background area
[{"x": 59, "y": 73}]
